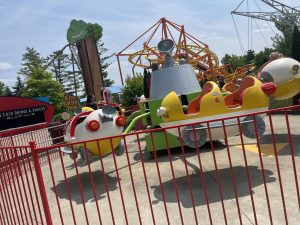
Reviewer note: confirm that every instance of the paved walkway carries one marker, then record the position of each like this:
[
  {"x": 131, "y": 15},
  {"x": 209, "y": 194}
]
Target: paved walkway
[{"x": 191, "y": 211}]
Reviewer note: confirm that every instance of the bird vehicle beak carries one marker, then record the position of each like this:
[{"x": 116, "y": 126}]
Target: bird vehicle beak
[{"x": 268, "y": 88}]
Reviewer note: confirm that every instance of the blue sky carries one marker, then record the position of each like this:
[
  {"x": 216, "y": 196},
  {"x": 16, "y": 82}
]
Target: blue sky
[{"x": 43, "y": 25}]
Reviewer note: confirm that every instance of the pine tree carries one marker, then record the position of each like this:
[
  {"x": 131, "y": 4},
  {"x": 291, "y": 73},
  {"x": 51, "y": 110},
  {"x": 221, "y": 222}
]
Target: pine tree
[
  {"x": 19, "y": 87},
  {"x": 104, "y": 64},
  {"x": 75, "y": 85},
  {"x": 59, "y": 64},
  {"x": 31, "y": 60},
  {"x": 2, "y": 88},
  {"x": 7, "y": 92},
  {"x": 249, "y": 57}
]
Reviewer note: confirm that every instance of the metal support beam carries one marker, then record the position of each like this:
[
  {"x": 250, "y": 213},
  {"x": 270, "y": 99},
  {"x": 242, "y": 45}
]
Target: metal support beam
[{"x": 282, "y": 11}]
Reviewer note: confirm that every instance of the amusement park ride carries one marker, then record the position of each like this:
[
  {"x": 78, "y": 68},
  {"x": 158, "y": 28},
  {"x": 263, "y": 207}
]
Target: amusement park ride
[
  {"x": 186, "y": 47},
  {"x": 175, "y": 97}
]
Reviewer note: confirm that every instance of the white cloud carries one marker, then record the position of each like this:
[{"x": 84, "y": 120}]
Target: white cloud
[
  {"x": 207, "y": 36},
  {"x": 5, "y": 66}
]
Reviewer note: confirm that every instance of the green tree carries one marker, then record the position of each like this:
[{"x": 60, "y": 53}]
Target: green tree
[
  {"x": 283, "y": 42},
  {"x": 7, "y": 91},
  {"x": 40, "y": 83},
  {"x": 134, "y": 87},
  {"x": 31, "y": 60},
  {"x": 104, "y": 64},
  {"x": 59, "y": 66},
  {"x": 19, "y": 87},
  {"x": 262, "y": 57},
  {"x": 295, "y": 51},
  {"x": 75, "y": 84},
  {"x": 2, "y": 88},
  {"x": 234, "y": 60},
  {"x": 249, "y": 58}
]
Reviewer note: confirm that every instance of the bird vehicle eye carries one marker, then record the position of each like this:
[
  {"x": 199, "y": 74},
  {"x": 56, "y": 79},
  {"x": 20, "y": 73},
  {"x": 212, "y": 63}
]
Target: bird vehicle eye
[
  {"x": 265, "y": 77},
  {"x": 93, "y": 125},
  {"x": 295, "y": 69}
]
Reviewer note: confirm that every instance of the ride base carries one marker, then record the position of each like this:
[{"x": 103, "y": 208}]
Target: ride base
[
  {"x": 154, "y": 121},
  {"x": 159, "y": 141}
]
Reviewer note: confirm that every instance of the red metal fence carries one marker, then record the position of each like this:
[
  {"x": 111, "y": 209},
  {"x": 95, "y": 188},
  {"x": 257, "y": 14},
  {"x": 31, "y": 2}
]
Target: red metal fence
[
  {"x": 236, "y": 180},
  {"x": 43, "y": 134}
]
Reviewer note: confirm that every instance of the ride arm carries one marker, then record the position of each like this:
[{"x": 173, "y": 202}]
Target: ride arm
[
  {"x": 132, "y": 116},
  {"x": 131, "y": 125}
]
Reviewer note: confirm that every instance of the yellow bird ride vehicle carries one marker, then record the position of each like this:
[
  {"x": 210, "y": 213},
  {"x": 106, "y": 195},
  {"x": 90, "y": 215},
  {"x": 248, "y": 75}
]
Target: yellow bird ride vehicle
[{"x": 279, "y": 79}]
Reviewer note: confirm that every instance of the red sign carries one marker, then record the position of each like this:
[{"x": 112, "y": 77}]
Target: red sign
[{"x": 18, "y": 112}]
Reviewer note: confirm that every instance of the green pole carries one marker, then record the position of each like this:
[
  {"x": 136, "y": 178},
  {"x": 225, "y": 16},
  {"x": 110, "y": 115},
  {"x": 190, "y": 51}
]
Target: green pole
[{"x": 131, "y": 125}]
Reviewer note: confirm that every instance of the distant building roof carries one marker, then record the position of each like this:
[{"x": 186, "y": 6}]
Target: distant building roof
[{"x": 43, "y": 99}]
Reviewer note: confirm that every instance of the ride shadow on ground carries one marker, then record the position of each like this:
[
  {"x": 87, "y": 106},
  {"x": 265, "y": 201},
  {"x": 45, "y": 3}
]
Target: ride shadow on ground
[
  {"x": 211, "y": 184},
  {"x": 87, "y": 187}
]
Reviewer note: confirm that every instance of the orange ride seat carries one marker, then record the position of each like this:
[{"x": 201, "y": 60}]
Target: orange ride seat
[
  {"x": 236, "y": 98},
  {"x": 194, "y": 106}
]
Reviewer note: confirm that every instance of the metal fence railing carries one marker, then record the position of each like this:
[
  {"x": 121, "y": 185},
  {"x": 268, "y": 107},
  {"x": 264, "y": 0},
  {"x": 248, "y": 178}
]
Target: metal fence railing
[
  {"x": 232, "y": 180},
  {"x": 43, "y": 134}
]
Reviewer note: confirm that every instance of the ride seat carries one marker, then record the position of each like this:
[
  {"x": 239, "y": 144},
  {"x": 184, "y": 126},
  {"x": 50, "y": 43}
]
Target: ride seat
[
  {"x": 194, "y": 106},
  {"x": 236, "y": 98},
  {"x": 230, "y": 87}
]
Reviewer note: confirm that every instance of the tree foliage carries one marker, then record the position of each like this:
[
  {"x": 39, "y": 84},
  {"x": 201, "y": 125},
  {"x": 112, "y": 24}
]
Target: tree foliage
[
  {"x": 40, "y": 83},
  {"x": 234, "y": 61},
  {"x": 5, "y": 90},
  {"x": 283, "y": 42},
  {"x": 31, "y": 60},
  {"x": 262, "y": 57},
  {"x": 104, "y": 64},
  {"x": 2, "y": 88},
  {"x": 249, "y": 58},
  {"x": 74, "y": 80},
  {"x": 18, "y": 88},
  {"x": 295, "y": 51},
  {"x": 59, "y": 65},
  {"x": 134, "y": 87},
  {"x": 258, "y": 59}
]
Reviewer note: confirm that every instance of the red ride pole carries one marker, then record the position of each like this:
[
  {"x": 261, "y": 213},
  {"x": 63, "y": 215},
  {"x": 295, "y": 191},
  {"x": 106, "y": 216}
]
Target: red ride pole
[{"x": 40, "y": 180}]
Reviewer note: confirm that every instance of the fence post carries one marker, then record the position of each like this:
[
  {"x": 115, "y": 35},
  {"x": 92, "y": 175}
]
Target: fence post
[
  {"x": 11, "y": 138},
  {"x": 40, "y": 180}
]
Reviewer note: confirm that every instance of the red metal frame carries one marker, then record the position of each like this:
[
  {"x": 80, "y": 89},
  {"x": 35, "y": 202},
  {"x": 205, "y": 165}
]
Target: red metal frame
[
  {"x": 184, "y": 37},
  {"x": 203, "y": 59}
]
